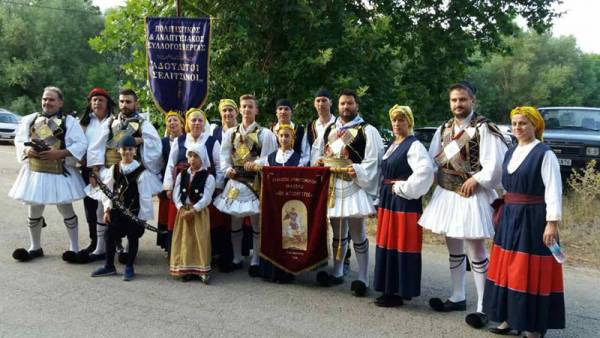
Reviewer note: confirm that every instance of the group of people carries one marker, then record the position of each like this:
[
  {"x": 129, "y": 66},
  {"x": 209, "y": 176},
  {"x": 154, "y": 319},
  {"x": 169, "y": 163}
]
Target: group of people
[{"x": 209, "y": 195}]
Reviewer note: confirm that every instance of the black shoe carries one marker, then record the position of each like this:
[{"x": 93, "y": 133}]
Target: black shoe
[
  {"x": 101, "y": 257},
  {"x": 122, "y": 257},
  {"x": 90, "y": 248},
  {"x": 389, "y": 301},
  {"x": 285, "y": 278},
  {"x": 23, "y": 255},
  {"x": 325, "y": 279},
  {"x": 505, "y": 331},
  {"x": 254, "y": 271},
  {"x": 358, "y": 288},
  {"x": 230, "y": 266},
  {"x": 476, "y": 320},
  {"x": 83, "y": 257},
  {"x": 69, "y": 256},
  {"x": 437, "y": 305}
]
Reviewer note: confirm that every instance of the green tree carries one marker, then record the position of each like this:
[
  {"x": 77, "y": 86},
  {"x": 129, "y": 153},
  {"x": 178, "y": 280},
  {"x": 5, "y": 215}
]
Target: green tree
[
  {"x": 46, "y": 43},
  {"x": 537, "y": 70},
  {"x": 390, "y": 51}
]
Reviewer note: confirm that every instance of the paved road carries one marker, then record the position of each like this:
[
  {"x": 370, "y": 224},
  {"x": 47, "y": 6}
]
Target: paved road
[{"x": 50, "y": 298}]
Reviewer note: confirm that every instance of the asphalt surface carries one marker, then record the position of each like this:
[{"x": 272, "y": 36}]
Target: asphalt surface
[{"x": 50, "y": 298}]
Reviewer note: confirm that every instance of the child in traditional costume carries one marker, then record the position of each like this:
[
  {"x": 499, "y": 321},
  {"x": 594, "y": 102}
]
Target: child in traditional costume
[
  {"x": 192, "y": 194},
  {"x": 130, "y": 206}
]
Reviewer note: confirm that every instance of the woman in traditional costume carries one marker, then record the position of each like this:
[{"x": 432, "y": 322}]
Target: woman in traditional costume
[
  {"x": 524, "y": 287},
  {"x": 407, "y": 175}
]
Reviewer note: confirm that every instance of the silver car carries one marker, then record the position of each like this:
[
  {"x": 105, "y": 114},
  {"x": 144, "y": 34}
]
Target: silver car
[{"x": 8, "y": 125}]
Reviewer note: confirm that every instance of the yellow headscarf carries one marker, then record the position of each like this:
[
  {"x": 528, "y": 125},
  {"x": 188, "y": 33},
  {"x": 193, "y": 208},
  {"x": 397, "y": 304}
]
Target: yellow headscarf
[
  {"x": 532, "y": 115},
  {"x": 227, "y": 102},
  {"x": 406, "y": 112},
  {"x": 173, "y": 113},
  {"x": 289, "y": 127},
  {"x": 189, "y": 113}
]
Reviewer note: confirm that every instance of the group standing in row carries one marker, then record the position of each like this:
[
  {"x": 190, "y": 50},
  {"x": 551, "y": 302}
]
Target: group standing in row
[{"x": 210, "y": 188}]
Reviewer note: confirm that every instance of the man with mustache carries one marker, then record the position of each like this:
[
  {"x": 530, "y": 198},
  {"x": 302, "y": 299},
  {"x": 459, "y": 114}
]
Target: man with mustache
[
  {"x": 354, "y": 148},
  {"x": 103, "y": 153},
  {"x": 48, "y": 145},
  {"x": 468, "y": 151}
]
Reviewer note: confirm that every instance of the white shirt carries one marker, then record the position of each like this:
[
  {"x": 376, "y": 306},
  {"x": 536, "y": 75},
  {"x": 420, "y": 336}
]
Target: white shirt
[
  {"x": 320, "y": 129},
  {"x": 550, "y": 172},
  {"x": 419, "y": 182}
]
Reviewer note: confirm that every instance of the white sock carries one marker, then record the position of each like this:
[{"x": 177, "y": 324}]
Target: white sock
[
  {"x": 236, "y": 238},
  {"x": 72, "y": 231},
  {"x": 479, "y": 266},
  {"x": 70, "y": 219},
  {"x": 101, "y": 229},
  {"x": 361, "y": 247},
  {"x": 458, "y": 267},
  {"x": 339, "y": 233},
  {"x": 35, "y": 232},
  {"x": 255, "y": 240},
  {"x": 35, "y": 222}
]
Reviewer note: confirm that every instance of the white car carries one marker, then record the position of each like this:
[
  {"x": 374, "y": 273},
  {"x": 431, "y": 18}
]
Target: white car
[
  {"x": 8, "y": 125},
  {"x": 507, "y": 133}
]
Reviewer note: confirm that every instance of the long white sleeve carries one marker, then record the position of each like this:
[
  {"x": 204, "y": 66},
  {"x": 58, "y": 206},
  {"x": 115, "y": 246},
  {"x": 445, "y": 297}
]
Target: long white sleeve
[
  {"x": 305, "y": 149},
  {"x": 177, "y": 192},
  {"x": 109, "y": 181},
  {"x": 367, "y": 172},
  {"x": 97, "y": 136},
  {"x": 75, "y": 141},
  {"x": 216, "y": 156},
  {"x": 22, "y": 136},
  {"x": 553, "y": 183},
  {"x": 151, "y": 149},
  {"x": 491, "y": 156},
  {"x": 226, "y": 147},
  {"x": 209, "y": 189},
  {"x": 148, "y": 186},
  {"x": 173, "y": 154},
  {"x": 435, "y": 146},
  {"x": 419, "y": 182}
]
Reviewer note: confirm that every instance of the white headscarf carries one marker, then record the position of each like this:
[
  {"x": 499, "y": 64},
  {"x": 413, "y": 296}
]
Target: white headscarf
[{"x": 200, "y": 150}]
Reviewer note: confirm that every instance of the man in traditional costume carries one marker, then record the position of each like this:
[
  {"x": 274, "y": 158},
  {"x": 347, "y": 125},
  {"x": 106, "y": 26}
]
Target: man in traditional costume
[
  {"x": 468, "y": 152},
  {"x": 316, "y": 128},
  {"x": 103, "y": 152},
  {"x": 48, "y": 145},
  {"x": 284, "y": 111},
  {"x": 353, "y": 148},
  {"x": 248, "y": 142},
  {"x": 95, "y": 118}
]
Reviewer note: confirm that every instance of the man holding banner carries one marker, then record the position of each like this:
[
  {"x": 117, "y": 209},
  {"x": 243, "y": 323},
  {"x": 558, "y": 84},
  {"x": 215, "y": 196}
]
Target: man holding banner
[
  {"x": 352, "y": 149},
  {"x": 248, "y": 142}
]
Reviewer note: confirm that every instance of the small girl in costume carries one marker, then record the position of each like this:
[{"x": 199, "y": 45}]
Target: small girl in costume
[{"x": 192, "y": 193}]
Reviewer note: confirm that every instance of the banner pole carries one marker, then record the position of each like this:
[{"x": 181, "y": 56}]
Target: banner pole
[{"x": 178, "y": 7}]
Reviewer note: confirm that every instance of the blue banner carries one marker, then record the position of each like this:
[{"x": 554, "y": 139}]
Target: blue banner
[{"x": 177, "y": 51}]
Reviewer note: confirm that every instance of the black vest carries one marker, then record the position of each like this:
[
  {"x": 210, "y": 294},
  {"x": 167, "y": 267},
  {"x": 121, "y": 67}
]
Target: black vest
[
  {"x": 182, "y": 153},
  {"x": 311, "y": 133},
  {"x": 293, "y": 161},
  {"x": 356, "y": 149},
  {"x": 196, "y": 189},
  {"x": 126, "y": 188}
]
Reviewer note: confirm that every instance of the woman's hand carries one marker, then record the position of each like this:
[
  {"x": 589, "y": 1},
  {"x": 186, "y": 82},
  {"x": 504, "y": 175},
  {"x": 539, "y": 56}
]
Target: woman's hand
[
  {"x": 550, "y": 233},
  {"x": 230, "y": 173},
  {"x": 169, "y": 194}
]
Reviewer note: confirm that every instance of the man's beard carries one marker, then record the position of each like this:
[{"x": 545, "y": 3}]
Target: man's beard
[
  {"x": 125, "y": 111},
  {"x": 462, "y": 115},
  {"x": 348, "y": 118}
]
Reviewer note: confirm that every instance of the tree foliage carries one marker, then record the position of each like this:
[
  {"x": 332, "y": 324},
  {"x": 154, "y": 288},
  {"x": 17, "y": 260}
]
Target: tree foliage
[
  {"x": 390, "y": 51},
  {"x": 537, "y": 70},
  {"x": 46, "y": 43}
]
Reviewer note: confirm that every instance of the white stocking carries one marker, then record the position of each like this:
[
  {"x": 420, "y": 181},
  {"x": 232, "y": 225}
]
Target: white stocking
[
  {"x": 458, "y": 267},
  {"x": 255, "y": 239},
  {"x": 479, "y": 265},
  {"x": 339, "y": 235},
  {"x": 100, "y": 231},
  {"x": 70, "y": 220},
  {"x": 35, "y": 222},
  {"x": 361, "y": 247},
  {"x": 236, "y": 238}
]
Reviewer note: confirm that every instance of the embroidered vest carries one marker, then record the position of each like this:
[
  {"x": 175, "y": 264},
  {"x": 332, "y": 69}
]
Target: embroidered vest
[
  {"x": 126, "y": 187},
  {"x": 48, "y": 133},
  {"x": 195, "y": 189}
]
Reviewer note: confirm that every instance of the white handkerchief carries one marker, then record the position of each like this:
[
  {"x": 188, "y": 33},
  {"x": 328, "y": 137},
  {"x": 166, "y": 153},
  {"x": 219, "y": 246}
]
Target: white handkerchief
[{"x": 451, "y": 149}]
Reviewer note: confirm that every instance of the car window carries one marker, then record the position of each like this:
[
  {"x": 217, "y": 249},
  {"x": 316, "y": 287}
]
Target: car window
[
  {"x": 572, "y": 119},
  {"x": 8, "y": 118}
]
